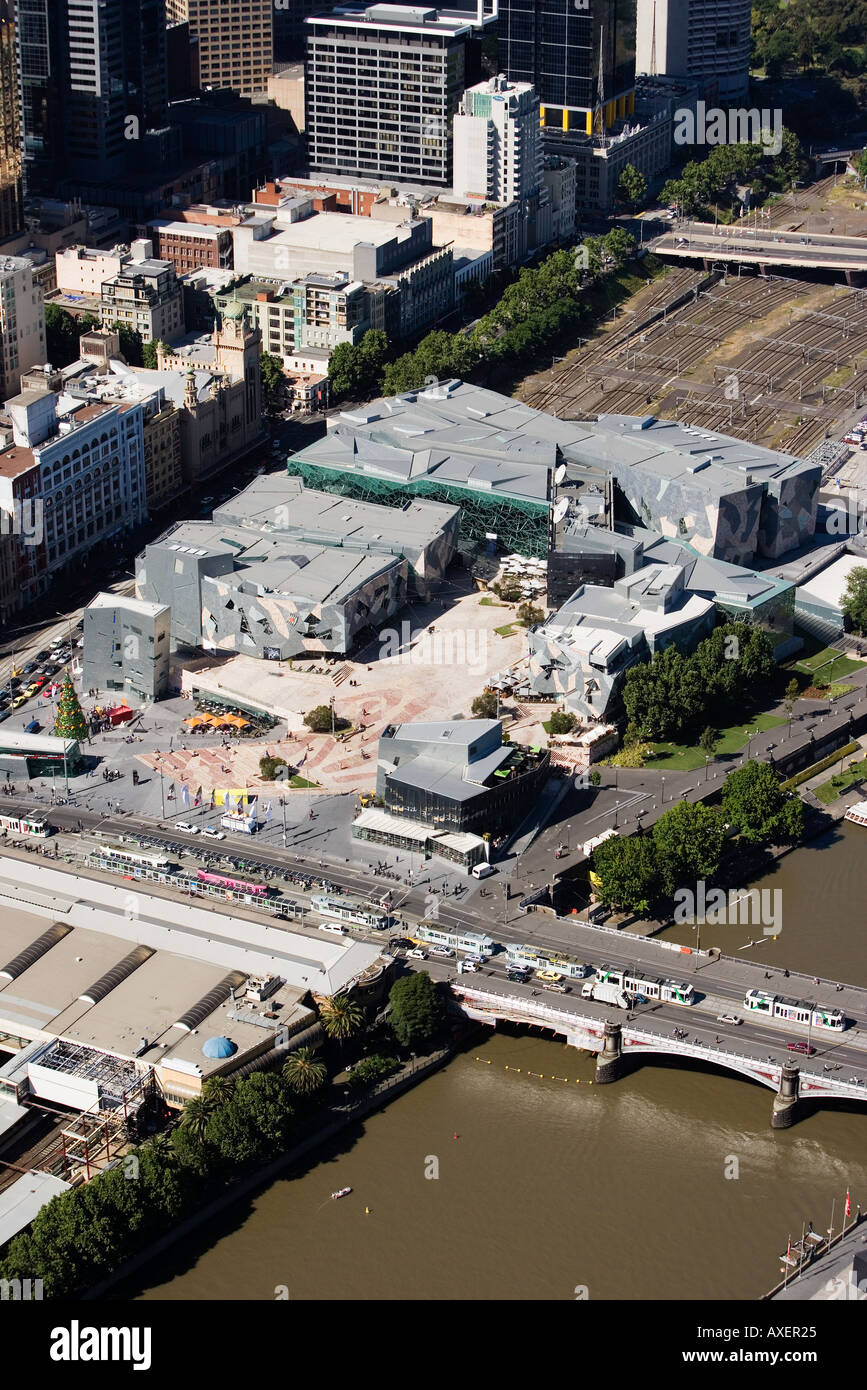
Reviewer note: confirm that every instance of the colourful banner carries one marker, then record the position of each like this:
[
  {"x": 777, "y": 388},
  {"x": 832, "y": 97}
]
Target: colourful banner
[{"x": 233, "y": 797}]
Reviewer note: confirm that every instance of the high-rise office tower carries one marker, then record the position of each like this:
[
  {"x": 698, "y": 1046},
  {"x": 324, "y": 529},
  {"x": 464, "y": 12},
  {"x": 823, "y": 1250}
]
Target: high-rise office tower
[
  {"x": 236, "y": 41},
  {"x": 43, "y": 69},
  {"x": 93, "y": 81},
  {"x": 11, "y": 205},
  {"x": 578, "y": 54},
  {"x": 382, "y": 87},
  {"x": 702, "y": 39}
]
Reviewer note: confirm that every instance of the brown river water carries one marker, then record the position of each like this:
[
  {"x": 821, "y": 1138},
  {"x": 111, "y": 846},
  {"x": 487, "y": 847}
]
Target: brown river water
[{"x": 552, "y": 1186}]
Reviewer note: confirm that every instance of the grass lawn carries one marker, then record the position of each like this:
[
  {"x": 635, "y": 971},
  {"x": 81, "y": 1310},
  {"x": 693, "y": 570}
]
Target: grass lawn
[
  {"x": 297, "y": 781},
  {"x": 829, "y": 663},
  {"x": 491, "y": 603},
  {"x": 682, "y": 757},
  {"x": 841, "y": 781},
  {"x": 508, "y": 630}
]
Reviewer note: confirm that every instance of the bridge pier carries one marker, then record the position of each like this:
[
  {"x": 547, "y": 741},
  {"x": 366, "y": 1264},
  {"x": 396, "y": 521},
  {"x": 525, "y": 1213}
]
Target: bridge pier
[
  {"x": 785, "y": 1107},
  {"x": 609, "y": 1062}
]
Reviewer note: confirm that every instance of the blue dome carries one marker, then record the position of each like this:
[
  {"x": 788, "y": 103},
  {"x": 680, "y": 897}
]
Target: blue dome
[{"x": 218, "y": 1047}]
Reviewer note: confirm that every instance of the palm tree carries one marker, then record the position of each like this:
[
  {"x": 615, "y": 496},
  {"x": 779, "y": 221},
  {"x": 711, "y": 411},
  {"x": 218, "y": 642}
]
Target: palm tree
[
  {"x": 341, "y": 1017},
  {"x": 304, "y": 1072},
  {"x": 219, "y": 1089},
  {"x": 197, "y": 1113}
]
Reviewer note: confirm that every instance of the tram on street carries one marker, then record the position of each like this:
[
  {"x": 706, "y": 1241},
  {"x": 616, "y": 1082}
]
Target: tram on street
[{"x": 801, "y": 1011}]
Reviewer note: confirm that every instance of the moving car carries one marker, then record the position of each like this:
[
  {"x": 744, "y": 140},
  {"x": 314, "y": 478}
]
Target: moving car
[
  {"x": 441, "y": 951},
  {"x": 213, "y": 834},
  {"x": 728, "y": 1018},
  {"x": 806, "y": 1048},
  {"x": 548, "y": 977},
  {"x": 185, "y": 826},
  {"x": 417, "y": 954}
]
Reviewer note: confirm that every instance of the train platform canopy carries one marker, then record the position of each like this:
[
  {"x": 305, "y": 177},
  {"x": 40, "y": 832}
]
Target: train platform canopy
[{"x": 20, "y": 1203}]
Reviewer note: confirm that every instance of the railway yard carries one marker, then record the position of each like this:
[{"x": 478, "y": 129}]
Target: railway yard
[{"x": 779, "y": 361}]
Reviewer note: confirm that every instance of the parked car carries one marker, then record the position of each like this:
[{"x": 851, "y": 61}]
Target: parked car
[
  {"x": 186, "y": 827},
  {"x": 213, "y": 834},
  {"x": 19, "y": 701}
]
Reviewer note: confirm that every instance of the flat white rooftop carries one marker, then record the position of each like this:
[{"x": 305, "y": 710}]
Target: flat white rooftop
[
  {"x": 830, "y": 584},
  {"x": 135, "y": 605}
]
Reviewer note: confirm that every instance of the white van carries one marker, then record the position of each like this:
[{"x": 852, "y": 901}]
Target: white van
[
  {"x": 334, "y": 927},
  {"x": 482, "y": 870}
]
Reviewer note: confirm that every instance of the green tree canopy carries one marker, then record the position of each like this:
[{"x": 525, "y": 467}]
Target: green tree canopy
[
  {"x": 562, "y": 722},
  {"x": 416, "y": 1009},
  {"x": 273, "y": 382},
  {"x": 255, "y": 1124},
  {"x": 754, "y": 804},
  {"x": 626, "y": 868},
  {"x": 318, "y": 719},
  {"x": 69, "y": 721},
  {"x": 854, "y": 600},
  {"x": 484, "y": 706},
  {"x": 632, "y": 186},
  {"x": 304, "y": 1072},
  {"x": 688, "y": 842}
]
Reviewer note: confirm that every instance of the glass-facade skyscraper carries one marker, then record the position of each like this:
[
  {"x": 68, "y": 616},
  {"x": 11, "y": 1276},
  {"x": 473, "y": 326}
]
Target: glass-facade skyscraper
[
  {"x": 579, "y": 55},
  {"x": 86, "y": 67}
]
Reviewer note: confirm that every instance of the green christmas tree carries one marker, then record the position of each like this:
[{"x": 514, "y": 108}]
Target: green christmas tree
[{"x": 69, "y": 722}]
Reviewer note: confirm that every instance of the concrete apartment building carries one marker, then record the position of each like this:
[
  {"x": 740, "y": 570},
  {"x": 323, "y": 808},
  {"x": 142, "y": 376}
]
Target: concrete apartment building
[
  {"x": 706, "y": 40},
  {"x": 235, "y": 41},
  {"x": 80, "y": 468},
  {"x": 382, "y": 87},
  {"x": 497, "y": 151},
  {"x": 126, "y": 646},
  {"x": 22, "y": 323},
  {"x": 310, "y": 315},
  {"x": 190, "y": 245},
  {"x": 145, "y": 296},
  {"x": 84, "y": 270}
]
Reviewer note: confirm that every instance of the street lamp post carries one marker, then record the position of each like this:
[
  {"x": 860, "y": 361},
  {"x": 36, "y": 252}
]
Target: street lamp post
[{"x": 662, "y": 803}]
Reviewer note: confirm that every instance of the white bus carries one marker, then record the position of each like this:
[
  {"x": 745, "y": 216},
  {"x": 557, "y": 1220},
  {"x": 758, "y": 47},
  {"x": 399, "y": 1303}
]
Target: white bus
[
  {"x": 536, "y": 958},
  {"x": 348, "y": 912},
  {"x": 800, "y": 1011},
  {"x": 472, "y": 943}
]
